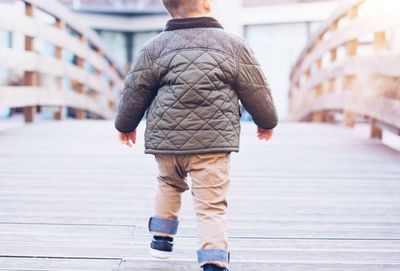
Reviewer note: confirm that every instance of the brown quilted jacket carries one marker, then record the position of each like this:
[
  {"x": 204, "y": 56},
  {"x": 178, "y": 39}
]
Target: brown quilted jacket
[{"x": 190, "y": 79}]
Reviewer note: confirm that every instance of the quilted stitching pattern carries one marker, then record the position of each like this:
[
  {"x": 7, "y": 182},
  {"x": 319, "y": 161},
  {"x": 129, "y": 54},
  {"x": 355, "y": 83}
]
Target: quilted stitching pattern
[
  {"x": 192, "y": 81},
  {"x": 139, "y": 91},
  {"x": 192, "y": 91}
]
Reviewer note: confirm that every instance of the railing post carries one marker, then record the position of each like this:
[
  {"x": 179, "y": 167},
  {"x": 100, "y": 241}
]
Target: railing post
[
  {"x": 80, "y": 87},
  {"x": 30, "y": 77},
  {"x": 333, "y": 82},
  {"x": 380, "y": 41},
  {"x": 351, "y": 50},
  {"x": 349, "y": 119},
  {"x": 98, "y": 72},
  {"x": 329, "y": 118},
  {"x": 376, "y": 132},
  {"x": 333, "y": 56},
  {"x": 58, "y": 54},
  {"x": 318, "y": 116},
  {"x": 111, "y": 103}
]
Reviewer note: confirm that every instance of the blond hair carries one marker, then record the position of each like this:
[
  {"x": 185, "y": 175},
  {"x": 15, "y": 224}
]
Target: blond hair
[{"x": 181, "y": 8}]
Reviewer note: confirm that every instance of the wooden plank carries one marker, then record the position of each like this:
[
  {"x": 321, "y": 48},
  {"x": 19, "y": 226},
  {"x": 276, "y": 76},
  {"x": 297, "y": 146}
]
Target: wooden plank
[
  {"x": 314, "y": 256},
  {"x": 96, "y": 230},
  {"x": 291, "y": 244},
  {"x": 188, "y": 265},
  {"x": 62, "y": 264},
  {"x": 189, "y": 242},
  {"x": 68, "y": 250}
]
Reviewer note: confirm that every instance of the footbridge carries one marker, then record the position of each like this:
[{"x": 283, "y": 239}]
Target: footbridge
[{"x": 318, "y": 196}]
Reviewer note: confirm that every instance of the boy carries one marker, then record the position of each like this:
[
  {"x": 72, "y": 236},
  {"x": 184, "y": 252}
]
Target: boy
[{"x": 190, "y": 79}]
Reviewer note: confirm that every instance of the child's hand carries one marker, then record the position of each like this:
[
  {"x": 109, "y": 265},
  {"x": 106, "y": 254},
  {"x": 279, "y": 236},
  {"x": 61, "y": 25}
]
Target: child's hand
[
  {"x": 263, "y": 134},
  {"x": 128, "y": 139}
]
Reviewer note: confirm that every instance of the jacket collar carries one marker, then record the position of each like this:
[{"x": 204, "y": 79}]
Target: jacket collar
[{"x": 193, "y": 22}]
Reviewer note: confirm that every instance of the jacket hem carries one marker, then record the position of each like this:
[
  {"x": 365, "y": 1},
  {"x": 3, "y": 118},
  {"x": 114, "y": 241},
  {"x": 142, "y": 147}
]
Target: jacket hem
[{"x": 199, "y": 151}]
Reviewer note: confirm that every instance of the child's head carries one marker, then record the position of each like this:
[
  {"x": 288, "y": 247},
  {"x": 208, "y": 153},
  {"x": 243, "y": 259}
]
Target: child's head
[{"x": 187, "y": 8}]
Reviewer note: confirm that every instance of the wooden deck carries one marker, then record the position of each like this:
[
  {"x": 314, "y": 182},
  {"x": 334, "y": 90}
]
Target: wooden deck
[{"x": 317, "y": 197}]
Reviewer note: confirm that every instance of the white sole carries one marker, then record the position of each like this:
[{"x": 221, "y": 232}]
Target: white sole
[{"x": 159, "y": 254}]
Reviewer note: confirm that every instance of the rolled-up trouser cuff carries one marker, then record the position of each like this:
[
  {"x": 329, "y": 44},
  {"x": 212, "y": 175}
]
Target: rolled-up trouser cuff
[
  {"x": 205, "y": 256},
  {"x": 162, "y": 225}
]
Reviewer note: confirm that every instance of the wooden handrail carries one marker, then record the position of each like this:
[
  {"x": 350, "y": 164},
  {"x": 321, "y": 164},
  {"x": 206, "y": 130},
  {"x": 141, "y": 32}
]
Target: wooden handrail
[
  {"x": 91, "y": 71},
  {"x": 351, "y": 69},
  {"x": 325, "y": 26}
]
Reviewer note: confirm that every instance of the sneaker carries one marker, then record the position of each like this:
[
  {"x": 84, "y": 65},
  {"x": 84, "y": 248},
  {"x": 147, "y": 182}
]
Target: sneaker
[
  {"x": 161, "y": 247},
  {"x": 212, "y": 267}
]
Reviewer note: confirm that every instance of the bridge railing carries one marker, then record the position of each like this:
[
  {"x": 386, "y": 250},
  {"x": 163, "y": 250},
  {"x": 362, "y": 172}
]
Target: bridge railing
[
  {"x": 350, "y": 69},
  {"x": 54, "y": 62}
]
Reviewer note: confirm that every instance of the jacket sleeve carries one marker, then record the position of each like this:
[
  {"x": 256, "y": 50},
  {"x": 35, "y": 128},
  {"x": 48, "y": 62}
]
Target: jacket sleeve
[
  {"x": 253, "y": 90},
  {"x": 139, "y": 91}
]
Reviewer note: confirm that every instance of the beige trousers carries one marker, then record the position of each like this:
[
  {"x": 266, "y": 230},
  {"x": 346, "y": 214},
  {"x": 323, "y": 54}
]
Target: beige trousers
[{"x": 210, "y": 181}]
